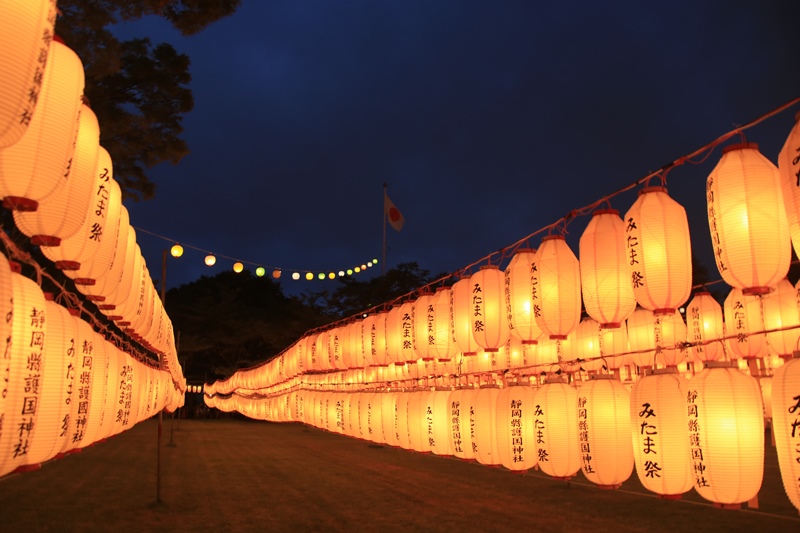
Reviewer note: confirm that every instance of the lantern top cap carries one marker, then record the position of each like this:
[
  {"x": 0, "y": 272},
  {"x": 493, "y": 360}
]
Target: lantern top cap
[
  {"x": 647, "y": 190},
  {"x": 57, "y": 38},
  {"x": 440, "y": 289},
  {"x": 554, "y": 238},
  {"x": 607, "y": 211},
  {"x": 703, "y": 293},
  {"x": 525, "y": 250},
  {"x": 721, "y": 364},
  {"x": 602, "y": 376},
  {"x": 740, "y": 146},
  {"x": 490, "y": 267}
]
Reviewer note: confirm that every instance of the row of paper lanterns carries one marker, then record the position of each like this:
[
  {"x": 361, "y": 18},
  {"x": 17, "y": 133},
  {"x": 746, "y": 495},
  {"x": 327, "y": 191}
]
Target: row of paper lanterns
[
  {"x": 59, "y": 182},
  {"x": 671, "y": 429},
  {"x": 65, "y": 386}
]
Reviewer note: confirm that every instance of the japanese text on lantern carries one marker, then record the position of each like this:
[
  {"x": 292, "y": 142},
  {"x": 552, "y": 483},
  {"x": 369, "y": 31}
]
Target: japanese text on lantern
[
  {"x": 373, "y": 335},
  {"x": 455, "y": 426},
  {"x": 583, "y": 436},
  {"x": 430, "y": 329},
  {"x": 126, "y": 395},
  {"x": 429, "y": 424},
  {"x": 716, "y": 242},
  {"x": 70, "y": 379},
  {"x": 369, "y": 418},
  {"x": 632, "y": 244},
  {"x": 796, "y": 166},
  {"x": 539, "y": 426},
  {"x": 697, "y": 331},
  {"x": 41, "y": 62},
  {"x": 31, "y": 383},
  {"x": 695, "y": 444},
  {"x": 339, "y": 413},
  {"x": 740, "y": 320},
  {"x": 472, "y": 429},
  {"x": 517, "y": 445},
  {"x": 406, "y": 325},
  {"x": 396, "y": 423},
  {"x": 647, "y": 432},
  {"x": 507, "y": 292},
  {"x": 477, "y": 307},
  {"x": 7, "y": 349},
  {"x": 795, "y": 425},
  {"x": 84, "y": 390},
  {"x": 537, "y": 308}
]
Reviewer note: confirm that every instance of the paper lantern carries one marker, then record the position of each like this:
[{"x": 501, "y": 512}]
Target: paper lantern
[
  {"x": 210, "y": 260},
  {"x": 604, "y": 434},
  {"x": 485, "y": 408},
  {"x": 6, "y": 316},
  {"x": 369, "y": 339},
  {"x": 780, "y": 314},
  {"x": 556, "y": 288},
  {"x": 789, "y": 171},
  {"x": 80, "y": 249},
  {"x": 656, "y": 338},
  {"x": 519, "y": 300},
  {"x": 26, "y": 30},
  {"x": 238, "y": 267},
  {"x": 489, "y": 321},
  {"x": 786, "y": 425},
  {"x": 605, "y": 281},
  {"x": 744, "y": 319},
  {"x": 97, "y": 416},
  {"x": 444, "y": 346},
  {"x": 641, "y": 338},
  {"x": 403, "y": 334},
  {"x": 555, "y": 419},
  {"x": 659, "y": 251},
  {"x": 29, "y": 174},
  {"x": 108, "y": 282},
  {"x": 587, "y": 344},
  {"x": 462, "y": 423},
  {"x": 401, "y": 420},
  {"x": 660, "y": 434},
  {"x": 23, "y": 373},
  {"x": 388, "y": 402},
  {"x": 424, "y": 332},
  {"x": 726, "y": 434},
  {"x": 418, "y": 405},
  {"x": 613, "y": 344},
  {"x": 704, "y": 325},
  {"x": 82, "y": 389},
  {"x": 747, "y": 219},
  {"x": 63, "y": 212},
  {"x": 515, "y": 428},
  {"x": 460, "y": 304}
]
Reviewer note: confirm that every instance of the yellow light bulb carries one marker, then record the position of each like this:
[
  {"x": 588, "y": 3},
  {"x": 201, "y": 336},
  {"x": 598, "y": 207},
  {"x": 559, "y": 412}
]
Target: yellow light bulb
[
  {"x": 176, "y": 250},
  {"x": 210, "y": 260}
]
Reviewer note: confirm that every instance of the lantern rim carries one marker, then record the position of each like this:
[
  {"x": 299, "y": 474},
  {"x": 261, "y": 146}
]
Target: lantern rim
[
  {"x": 721, "y": 364},
  {"x": 740, "y": 146},
  {"x": 607, "y": 211},
  {"x": 655, "y": 188},
  {"x": 490, "y": 267},
  {"x": 525, "y": 250},
  {"x": 554, "y": 238}
]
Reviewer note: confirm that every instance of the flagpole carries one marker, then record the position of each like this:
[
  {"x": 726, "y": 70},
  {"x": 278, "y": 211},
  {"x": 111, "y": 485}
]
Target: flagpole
[{"x": 383, "y": 259}]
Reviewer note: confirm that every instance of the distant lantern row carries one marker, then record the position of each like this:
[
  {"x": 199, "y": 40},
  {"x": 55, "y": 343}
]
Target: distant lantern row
[
  {"x": 58, "y": 180},
  {"x": 642, "y": 258},
  {"x": 238, "y": 266}
]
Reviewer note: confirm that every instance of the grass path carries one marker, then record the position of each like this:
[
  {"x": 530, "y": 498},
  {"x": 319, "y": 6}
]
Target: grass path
[{"x": 233, "y": 475}]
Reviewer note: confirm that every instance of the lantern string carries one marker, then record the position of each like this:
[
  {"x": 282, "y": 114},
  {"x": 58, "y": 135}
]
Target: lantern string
[{"x": 235, "y": 259}]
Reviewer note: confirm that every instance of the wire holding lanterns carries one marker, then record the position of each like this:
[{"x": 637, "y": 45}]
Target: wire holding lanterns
[{"x": 210, "y": 260}]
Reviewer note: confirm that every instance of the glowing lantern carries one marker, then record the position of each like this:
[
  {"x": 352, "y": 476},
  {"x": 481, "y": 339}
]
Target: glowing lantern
[
  {"x": 25, "y": 33},
  {"x": 641, "y": 336},
  {"x": 514, "y": 431},
  {"x": 556, "y": 288},
  {"x": 28, "y": 174},
  {"x": 586, "y": 343},
  {"x": 660, "y": 435},
  {"x": 64, "y": 211},
  {"x": 489, "y": 321},
  {"x": 388, "y": 402},
  {"x": 789, "y": 170},
  {"x": 556, "y": 418},
  {"x": 295, "y": 275},
  {"x": 519, "y": 300},
  {"x": 613, "y": 343},
  {"x": 108, "y": 282},
  {"x": 747, "y": 218},
  {"x": 485, "y": 443},
  {"x": 659, "y": 251},
  {"x": 403, "y": 334},
  {"x": 379, "y": 354},
  {"x": 462, "y": 428},
  {"x": 210, "y": 260},
  {"x": 24, "y": 363},
  {"x": 785, "y": 424},
  {"x": 82, "y": 391},
  {"x": 401, "y": 420},
  {"x": 460, "y": 305},
  {"x": 605, "y": 434},
  {"x": 744, "y": 318},
  {"x": 424, "y": 332},
  {"x": 238, "y": 267},
  {"x": 704, "y": 325},
  {"x": 726, "y": 430},
  {"x": 780, "y": 314},
  {"x": 605, "y": 281},
  {"x": 309, "y": 276}
]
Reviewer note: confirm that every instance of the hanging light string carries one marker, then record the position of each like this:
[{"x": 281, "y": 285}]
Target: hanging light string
[{"x": 320, "y": 274}]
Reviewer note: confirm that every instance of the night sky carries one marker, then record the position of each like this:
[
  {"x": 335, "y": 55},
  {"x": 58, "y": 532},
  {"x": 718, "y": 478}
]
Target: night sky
[{"x": 488, "y": 120}]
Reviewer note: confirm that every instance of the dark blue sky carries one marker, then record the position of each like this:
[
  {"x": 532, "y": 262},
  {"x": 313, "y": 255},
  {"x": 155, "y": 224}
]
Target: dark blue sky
[{"x": 488, "y": 120}]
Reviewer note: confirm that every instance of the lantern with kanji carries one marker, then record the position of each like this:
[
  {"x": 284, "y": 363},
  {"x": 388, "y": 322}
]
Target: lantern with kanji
[
  {"x": 556, "y": 288},
  {"x": 704, "y": 327},
  {"x": 726, "y": 434},
  {"x": 488, "y": 305},
  {"x": 605, "y": 281},
  {"x": 462, "y": 427},
  {"x": 604, "y": 433},
  {"x": 659, "y": 251},
  {"x": 515, "y": 431},
  {"x": 522, "y": 322},
  {"x": 789, "y": 170},
  {"x": 747, "y": 219},
  {"x": 37, "y": 165},
  {"x": 555, "y": 418},
  {"x": 460, "y": 304},
  {"x": 485, "y": 418},
  {"x": 660, "y": 435},
  {"x": 781, "y": 319},
  {"x": 786, "y": 425},
  {"x": 744, "y": 323}
]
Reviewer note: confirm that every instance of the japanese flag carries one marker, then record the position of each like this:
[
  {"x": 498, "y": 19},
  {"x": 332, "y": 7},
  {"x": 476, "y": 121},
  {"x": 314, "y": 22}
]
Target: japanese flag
[{"x": 394, "y": 215}]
